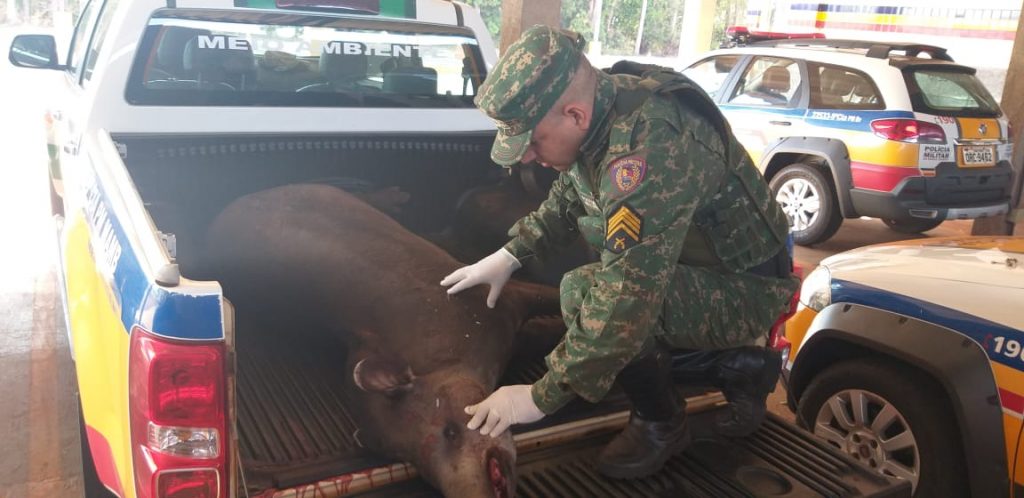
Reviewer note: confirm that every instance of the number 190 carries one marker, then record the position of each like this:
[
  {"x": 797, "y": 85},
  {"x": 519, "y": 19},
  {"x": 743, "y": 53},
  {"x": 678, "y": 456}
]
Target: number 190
[{"x": 1012, "y": 347}]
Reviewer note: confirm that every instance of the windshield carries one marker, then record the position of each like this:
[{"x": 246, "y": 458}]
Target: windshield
[
  {"x": 311, "y": 61},
  {"x": 947, "y": 92}
]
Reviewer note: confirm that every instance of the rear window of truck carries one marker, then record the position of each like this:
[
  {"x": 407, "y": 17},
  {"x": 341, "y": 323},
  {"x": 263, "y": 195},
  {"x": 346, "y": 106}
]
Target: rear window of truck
[
  {"x": 949, "y": 92},
  {"x": 247, "y": 58}
]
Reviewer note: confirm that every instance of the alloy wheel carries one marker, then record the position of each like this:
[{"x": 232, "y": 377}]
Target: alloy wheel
[
  {"x": 801, "y": 202},
  {"x": 872, "y": 431}
]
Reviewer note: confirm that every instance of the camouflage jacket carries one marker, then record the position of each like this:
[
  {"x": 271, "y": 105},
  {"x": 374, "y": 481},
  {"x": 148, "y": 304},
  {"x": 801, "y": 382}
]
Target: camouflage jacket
[{"x": 632, "y": 194}]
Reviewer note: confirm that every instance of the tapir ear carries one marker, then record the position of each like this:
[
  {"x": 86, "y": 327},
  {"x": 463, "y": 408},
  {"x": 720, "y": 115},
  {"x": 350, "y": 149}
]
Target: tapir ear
[{"x": 375, "y": 374}]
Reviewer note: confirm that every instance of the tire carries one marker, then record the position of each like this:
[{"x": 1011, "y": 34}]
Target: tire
[
  {"x": 914, "y": 225},
  {"x": 809, "y": 201},
  {"x": 921, "y": 426},
  {"x": 91, "y": 483}
]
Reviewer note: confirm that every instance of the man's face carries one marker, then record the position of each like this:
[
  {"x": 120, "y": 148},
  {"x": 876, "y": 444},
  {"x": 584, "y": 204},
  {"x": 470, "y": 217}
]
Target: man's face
[{"x": 557, "y": 138}]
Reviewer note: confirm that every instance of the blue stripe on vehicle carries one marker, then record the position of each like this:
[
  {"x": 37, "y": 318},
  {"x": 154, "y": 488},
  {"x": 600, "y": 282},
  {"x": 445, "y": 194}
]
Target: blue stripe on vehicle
[
  {"x": 143, "y": 302},
  {"x": 826, "y": 118},
  {"x": 981, "y": 330},
  {"x": 851, "y": 120}
]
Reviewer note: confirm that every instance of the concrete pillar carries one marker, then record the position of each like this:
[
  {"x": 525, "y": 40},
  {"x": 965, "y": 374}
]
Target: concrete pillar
[
  {"x": 1013, "y": 107},
  {"x": 695, "y": 36},
  {"x": 518, "y": 15}
]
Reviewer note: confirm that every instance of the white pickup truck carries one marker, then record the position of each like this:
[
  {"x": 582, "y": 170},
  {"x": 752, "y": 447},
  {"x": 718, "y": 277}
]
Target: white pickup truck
[{"x": 171, "y": 110}]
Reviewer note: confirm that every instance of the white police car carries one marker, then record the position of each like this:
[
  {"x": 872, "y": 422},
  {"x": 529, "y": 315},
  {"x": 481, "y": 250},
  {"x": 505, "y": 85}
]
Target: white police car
[
  {"x": 847, "y": 128},
  {"x": 909, "y": 357}
]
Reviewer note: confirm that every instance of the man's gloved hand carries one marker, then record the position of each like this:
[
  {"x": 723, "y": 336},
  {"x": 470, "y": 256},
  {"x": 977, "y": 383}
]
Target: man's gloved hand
[
  {"x": 494, "y": 270},
  {"x": 507, "y": 406}
]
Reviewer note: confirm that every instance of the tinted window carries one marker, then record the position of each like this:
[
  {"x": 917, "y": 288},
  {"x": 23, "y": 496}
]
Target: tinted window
[
  {"x": 834, "y": 87},
  {"x": 86, "y": 23},
  {"x": 949, "y": 92},
  {"x": 98, "y": 37},
  {"x": 312, "y": 62},
  {"x": 768, "y": 81},
  {"x": 710, "y": 74}
]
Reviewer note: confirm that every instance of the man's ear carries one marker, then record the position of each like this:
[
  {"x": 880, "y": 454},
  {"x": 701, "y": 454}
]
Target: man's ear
[{"x": 579, "y": 114}]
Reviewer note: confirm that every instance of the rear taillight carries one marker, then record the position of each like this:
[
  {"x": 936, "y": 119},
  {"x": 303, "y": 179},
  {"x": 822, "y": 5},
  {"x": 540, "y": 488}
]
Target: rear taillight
[
  {"x": 178, "y": 417},
  {"x": 909, "y": 130}
]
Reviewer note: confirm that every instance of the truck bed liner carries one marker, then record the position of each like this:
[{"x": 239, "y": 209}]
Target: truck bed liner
[
  {"x": 294, "y": 429},
  {"x": 779, "y": 460},
  {"x": 293, "y": 423}
]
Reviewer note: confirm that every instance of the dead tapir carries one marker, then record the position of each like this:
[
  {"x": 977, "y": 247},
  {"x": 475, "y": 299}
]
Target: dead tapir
[{"x": 417, "y": 356}]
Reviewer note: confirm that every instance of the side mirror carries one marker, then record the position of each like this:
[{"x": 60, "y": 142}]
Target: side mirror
[{"x": 34, "y": 51}]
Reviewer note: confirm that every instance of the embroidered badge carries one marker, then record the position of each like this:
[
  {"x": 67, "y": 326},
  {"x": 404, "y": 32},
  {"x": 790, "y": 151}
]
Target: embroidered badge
[
  {"x": 627, "y": 173},
  {"x": 624, "y": 229}
]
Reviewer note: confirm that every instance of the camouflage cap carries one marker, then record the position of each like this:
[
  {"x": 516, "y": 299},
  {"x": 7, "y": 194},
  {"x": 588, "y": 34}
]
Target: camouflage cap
[{"x": 528, "y": 79}]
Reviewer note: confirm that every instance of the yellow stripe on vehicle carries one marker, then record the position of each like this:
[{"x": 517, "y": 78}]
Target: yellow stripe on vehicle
[
  {"x": 796, "y": 328},
  {"x": 1012, "y": 380},
  {"x": 101, "y": 349},
  {"x": 979, "y": 129},
  {"x": 868, "y": 148}
]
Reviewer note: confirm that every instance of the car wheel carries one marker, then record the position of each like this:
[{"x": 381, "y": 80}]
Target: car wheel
[
  {"x": 809, "y": 202},
  {"x": 891, "y": 418},
  {"x": 916, "y": 225}
]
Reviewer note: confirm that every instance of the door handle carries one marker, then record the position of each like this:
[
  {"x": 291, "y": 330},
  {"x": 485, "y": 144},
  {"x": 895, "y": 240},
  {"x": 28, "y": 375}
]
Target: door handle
[{"x": 781, "y": 123}]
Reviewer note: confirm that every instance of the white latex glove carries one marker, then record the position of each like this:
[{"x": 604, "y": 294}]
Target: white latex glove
[
  {"x": 507, "y": 406},
  {"x": 494, "y": 270}
]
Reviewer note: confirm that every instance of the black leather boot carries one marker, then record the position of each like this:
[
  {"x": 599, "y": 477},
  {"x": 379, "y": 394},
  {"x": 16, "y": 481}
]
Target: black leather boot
[
  {"x": 657, "y": 427},
  {"x": 746, "y": 375}
]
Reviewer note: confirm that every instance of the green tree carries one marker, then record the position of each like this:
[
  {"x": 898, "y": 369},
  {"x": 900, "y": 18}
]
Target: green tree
[
  {"x": 727, "y": 13},
  {"x": 620, "y": 22},
  {"x": 490, "y": 11}
]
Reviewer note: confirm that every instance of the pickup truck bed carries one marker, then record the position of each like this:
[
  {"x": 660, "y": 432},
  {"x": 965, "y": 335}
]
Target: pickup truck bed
[{"x": 295, "y": 434}]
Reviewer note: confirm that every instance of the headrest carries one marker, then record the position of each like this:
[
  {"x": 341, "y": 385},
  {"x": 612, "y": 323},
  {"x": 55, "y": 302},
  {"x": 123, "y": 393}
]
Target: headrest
[
  {"x": 344, "y": 68},
  {"x": 775, "y": 79},
  {"x": 863, "y": 89},
  {"x": 836, "y": 82},
  {"x": 170, "y": 52},
  {"x": 216, "y": 62},
  {"x": 411, "y": 81}
]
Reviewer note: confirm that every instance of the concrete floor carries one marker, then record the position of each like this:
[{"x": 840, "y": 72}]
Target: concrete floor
[
  {"x": 38, "y": 407},
  {"x": 38, "y": 411}
]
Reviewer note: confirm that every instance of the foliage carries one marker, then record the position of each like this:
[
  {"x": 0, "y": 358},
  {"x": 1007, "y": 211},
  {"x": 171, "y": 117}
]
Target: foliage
[
  {"x": 620, "y": 22},
  {"x": 490, "y": 10},
  {"x": 727, "y": 13},
  {"x": 34, "y": 12}
]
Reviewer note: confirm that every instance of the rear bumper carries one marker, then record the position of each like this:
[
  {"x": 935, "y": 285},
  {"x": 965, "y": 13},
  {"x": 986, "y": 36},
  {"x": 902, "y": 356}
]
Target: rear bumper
[
  {"x": 890, "y": 206},
  {"x": 952, "y": 194}
]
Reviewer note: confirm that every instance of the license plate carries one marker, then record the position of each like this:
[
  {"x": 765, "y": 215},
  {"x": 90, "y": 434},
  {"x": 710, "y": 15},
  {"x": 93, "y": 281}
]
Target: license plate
[{"x": 974, "y": 156}]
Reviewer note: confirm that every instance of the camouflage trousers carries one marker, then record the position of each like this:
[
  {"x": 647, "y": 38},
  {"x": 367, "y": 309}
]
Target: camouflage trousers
[{"x": 703, "y": 308}]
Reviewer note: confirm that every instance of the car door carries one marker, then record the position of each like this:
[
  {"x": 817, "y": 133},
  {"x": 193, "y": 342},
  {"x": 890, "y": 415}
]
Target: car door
[
  {"x": 59, "y": 122},
  {"x": 767, "y": 101}
]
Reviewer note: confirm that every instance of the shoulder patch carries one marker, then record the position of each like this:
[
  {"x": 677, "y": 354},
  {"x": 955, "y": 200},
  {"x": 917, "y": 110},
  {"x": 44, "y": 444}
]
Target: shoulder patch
[
  {"x": 627, "y": 173},
  {"x": 625, "y": 228}
]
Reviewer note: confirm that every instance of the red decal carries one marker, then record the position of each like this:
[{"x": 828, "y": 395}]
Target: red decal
[{"x": 103, "y": 459}]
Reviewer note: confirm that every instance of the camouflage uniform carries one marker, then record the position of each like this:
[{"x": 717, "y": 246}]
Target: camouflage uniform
[{"x": 643, "y": 181}]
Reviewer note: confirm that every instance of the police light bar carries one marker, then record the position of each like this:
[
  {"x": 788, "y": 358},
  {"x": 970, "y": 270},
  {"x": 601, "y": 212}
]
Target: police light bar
[
  {"x": 360, "y": 6},
  {"x": 740, "y": 35}
]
